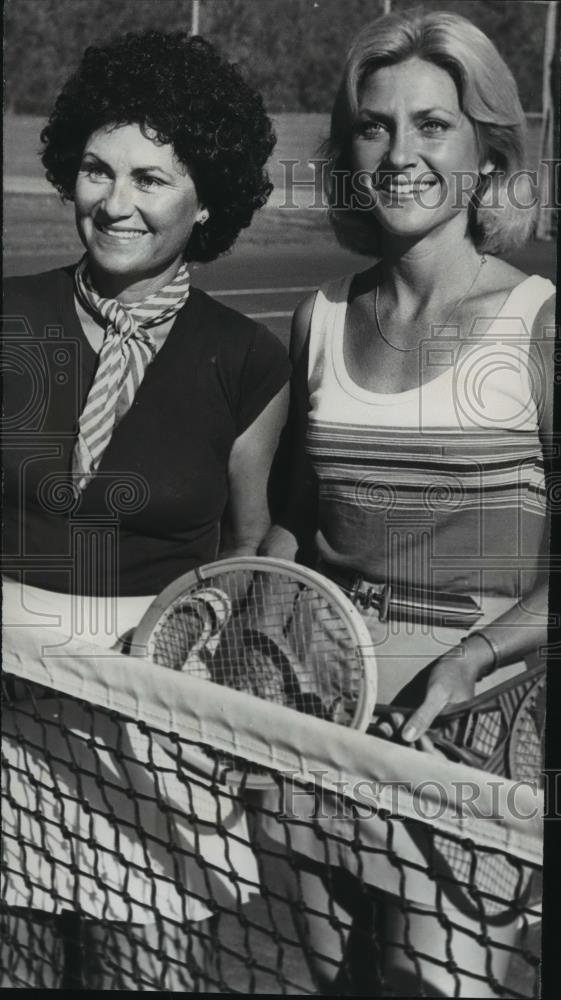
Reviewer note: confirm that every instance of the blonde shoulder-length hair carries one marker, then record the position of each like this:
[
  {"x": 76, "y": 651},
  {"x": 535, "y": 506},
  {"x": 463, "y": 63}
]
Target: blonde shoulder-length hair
[{"x": 502, "y": 208}]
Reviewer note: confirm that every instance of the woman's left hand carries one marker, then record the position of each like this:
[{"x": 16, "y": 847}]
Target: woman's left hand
[{"x": 451, "y": 680}]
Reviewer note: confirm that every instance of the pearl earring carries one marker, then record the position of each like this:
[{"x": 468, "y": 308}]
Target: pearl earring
[{"x": 203, "y": 217}]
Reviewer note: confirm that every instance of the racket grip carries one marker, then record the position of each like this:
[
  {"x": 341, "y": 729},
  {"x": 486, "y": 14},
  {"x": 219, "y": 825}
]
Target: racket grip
[{"x": 427, "y": 607}]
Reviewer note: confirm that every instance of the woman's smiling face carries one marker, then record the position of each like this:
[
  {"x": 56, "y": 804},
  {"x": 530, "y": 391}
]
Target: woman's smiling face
[
  {"x": 415, "y": 150},
  {"x": 135, "y": 206}
]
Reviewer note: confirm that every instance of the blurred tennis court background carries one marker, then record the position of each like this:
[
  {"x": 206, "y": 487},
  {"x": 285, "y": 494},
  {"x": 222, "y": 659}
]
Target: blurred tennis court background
[{"x": 285, "y": 252}]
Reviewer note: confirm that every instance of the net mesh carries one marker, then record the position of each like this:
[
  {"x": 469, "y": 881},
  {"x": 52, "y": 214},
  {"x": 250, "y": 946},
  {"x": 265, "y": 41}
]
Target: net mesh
[{"x": 124, "y": 867}]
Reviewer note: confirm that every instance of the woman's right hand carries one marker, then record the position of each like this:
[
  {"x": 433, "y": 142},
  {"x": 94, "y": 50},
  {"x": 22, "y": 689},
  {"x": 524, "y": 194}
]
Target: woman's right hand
[{"x": 451, "y": 680}]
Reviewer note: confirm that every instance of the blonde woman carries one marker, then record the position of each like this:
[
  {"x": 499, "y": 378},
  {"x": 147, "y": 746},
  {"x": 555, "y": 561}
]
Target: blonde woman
[{"x": 421, "y": 405}]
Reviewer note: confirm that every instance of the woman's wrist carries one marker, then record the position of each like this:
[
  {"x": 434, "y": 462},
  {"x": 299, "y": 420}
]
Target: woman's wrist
[
  {"x": 482, "y": 654},
  {"x": 520, "y": 632},
  {"x": 235, "y": 551}
]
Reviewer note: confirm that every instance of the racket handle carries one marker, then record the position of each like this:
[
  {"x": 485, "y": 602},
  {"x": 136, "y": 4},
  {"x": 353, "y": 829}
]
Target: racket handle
[{"x": 414, "y": 604}]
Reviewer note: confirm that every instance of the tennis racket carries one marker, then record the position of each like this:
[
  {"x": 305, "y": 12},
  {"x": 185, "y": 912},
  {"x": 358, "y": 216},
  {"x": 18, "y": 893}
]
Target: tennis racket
[
  {"x": 271, "y": 629},
  {"x": 501, "y": 731}
]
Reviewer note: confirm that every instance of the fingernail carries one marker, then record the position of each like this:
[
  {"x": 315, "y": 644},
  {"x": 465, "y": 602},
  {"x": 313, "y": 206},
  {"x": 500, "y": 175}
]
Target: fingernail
[
  {"x": 386, "y": 729},
  {"x": 409, "y": 733}
]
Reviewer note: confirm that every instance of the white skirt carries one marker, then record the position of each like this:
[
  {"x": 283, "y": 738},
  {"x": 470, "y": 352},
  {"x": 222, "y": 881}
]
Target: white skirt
[{"x": 73, "y": 835}]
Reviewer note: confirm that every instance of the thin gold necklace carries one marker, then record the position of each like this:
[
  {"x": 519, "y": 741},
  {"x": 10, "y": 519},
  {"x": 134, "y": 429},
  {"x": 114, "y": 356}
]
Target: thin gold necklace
[{"x": 408, "y": 350}]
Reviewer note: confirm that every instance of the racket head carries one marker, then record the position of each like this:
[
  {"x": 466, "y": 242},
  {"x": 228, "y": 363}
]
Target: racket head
[
  {"x": 501, "y": 730},
  {"x": 287, "y": 635},
  {"x": 526, "y": 747}
]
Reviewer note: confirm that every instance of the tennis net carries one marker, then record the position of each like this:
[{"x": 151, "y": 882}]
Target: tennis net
[{"x": 161, "y": 833}]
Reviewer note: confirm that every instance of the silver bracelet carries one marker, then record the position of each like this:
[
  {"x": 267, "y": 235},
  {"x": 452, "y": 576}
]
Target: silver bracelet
[{"x": 492, "y": 646}]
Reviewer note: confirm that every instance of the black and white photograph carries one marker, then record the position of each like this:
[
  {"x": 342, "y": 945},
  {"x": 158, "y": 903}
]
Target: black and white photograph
[{"x": 281, "y": 479}]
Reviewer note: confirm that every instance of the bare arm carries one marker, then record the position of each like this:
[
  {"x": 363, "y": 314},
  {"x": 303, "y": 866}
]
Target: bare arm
[
  {"x": 523, "y": 628},
  {"x": 293, "y": 531},
  {"x": 247, "y": 517}
]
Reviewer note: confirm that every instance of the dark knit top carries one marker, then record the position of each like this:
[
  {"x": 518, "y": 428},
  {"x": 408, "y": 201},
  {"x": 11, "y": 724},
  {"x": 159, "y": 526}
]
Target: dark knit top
[{"x": 153, "y": 510}]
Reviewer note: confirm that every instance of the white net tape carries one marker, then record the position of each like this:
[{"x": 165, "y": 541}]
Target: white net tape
[{"x": 454, "y": 799}]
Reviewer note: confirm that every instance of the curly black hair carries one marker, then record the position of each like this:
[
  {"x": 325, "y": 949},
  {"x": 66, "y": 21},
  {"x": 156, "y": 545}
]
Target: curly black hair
[{"x": 180, "y": 89}]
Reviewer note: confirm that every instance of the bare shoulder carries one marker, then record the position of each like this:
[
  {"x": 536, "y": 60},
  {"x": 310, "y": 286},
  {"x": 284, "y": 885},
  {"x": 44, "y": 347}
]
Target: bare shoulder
[
  {"x": 505, "y": 279},
  {"x": 543, "y": 334},
  {"x": 301, "y": 326},
  {"x": 545, "y": 317},
  {"x": 542, "y": 350},
  {"x": 356, "y": 285}
]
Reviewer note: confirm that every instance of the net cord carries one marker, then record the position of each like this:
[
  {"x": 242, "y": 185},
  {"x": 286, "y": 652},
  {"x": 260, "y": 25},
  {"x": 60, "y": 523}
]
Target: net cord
[{"x": 370, "y": 770}]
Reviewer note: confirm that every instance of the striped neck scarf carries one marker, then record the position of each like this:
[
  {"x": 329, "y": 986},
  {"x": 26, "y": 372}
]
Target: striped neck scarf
[{"x": 127, "y": 350}]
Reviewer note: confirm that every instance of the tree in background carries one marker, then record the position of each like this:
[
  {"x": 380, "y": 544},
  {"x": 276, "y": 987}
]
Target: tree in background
[
  {"x": 556, "y": 109},
  {"x": 44, "y": 40},
  {"x": 291, "y": 49},
  {"x": 294, "y": 49}
]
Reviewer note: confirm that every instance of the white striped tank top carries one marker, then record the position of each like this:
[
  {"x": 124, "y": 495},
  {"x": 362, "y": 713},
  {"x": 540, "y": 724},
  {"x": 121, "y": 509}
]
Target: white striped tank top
[{"x": 441, "y": 485}]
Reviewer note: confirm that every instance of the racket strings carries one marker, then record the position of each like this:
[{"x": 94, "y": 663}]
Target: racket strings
[
  {"x": 479, "y": 882},
  {"x": 281, "y": 641},
  {"x": 474, "y": 737},
  {"x": 172, "y": 646},
  {"x": 527, "y": 749},
  {"x": 268, "y": 635}
]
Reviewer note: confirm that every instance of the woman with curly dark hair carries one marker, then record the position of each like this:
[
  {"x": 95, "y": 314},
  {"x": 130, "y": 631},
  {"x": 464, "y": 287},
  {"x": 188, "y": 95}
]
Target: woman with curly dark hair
[{"x": 165, "y": 427}]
